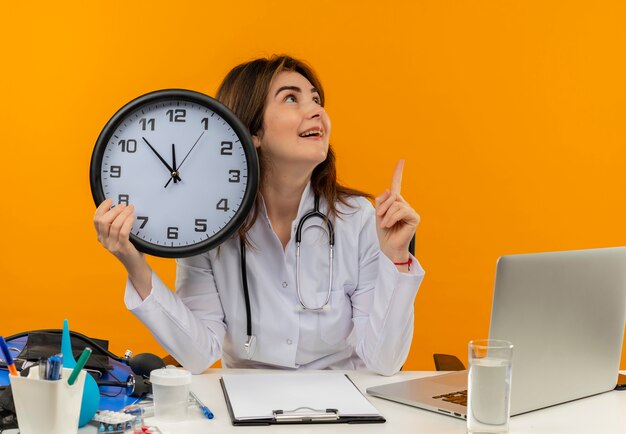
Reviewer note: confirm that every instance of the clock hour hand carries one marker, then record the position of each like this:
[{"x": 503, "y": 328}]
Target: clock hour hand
[
  {"x": 174, "y": 164},
  {"x": 173, "y": 172}
]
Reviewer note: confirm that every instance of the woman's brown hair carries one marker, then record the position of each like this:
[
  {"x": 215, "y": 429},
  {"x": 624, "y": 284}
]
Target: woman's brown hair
[{"x": 244, "y": 91}]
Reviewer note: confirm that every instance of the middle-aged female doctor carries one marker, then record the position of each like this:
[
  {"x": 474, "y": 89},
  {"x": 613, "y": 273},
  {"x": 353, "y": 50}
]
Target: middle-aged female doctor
[{"x": 353, "y": 312}]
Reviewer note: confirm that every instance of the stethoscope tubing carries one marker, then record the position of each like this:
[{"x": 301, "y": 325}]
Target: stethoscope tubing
[
  {"x": 250, "y": 339},
  {"x": 330, "y": 281}
]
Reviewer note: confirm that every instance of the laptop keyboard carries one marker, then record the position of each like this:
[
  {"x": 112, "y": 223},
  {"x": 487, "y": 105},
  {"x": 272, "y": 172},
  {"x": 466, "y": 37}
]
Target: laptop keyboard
[{"x": 459, "y": 397}]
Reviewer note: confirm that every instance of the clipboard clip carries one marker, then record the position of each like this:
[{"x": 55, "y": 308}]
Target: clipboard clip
[{"x": 306, "y": 414}]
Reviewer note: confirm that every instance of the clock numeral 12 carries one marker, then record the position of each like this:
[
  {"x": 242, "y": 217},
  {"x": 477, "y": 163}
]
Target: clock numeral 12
[{"x": 177, "y": 115}]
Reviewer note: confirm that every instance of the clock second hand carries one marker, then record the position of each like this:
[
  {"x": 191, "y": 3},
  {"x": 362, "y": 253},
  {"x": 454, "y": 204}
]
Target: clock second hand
[
  {"x": 173, "y": 173},
  {"x": 194, "y": 145},
  {"x": 181, "y": 163}
]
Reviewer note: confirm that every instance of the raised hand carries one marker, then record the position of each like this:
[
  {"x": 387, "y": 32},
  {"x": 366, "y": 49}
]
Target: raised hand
[
  {"x": 173, "y": 173},
  {"x": 396, "y": 221}
]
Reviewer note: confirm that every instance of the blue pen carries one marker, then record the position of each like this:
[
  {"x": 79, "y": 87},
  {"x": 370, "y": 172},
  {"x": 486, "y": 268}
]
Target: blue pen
[
  {"x": 55, "y": 364},
  {"x": 205, "y": 410}
]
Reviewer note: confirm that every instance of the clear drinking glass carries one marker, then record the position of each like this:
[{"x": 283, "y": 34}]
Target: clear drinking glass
[{"x": 489, "y": 386}]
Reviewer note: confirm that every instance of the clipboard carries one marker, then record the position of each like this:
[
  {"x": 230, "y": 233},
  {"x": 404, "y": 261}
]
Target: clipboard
[{"x": 296, "y": 398}]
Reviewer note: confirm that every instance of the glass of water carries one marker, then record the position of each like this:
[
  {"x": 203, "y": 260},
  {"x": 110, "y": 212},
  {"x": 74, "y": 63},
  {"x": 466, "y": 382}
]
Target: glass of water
[{"x": 489, "y": 386}]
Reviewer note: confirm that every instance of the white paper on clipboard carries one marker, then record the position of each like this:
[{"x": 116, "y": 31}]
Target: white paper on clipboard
[{"x": 257, "y": 396}]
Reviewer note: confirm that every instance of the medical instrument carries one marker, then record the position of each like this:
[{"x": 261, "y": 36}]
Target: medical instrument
[
  {"x": 109, "y": 422},
  {"x": 141, "y": 364},
  {"x": 145, "y": 409},
  {"x": 79, "y": 365},
  {"x": 250, "y": 343}
]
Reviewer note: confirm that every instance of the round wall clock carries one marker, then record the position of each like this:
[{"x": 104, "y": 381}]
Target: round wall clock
[{"x": 185, "y": 162}]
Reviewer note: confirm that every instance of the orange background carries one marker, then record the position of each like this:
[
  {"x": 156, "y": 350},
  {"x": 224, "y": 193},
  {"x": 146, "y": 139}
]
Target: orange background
[{"x": 510, "y": 114}]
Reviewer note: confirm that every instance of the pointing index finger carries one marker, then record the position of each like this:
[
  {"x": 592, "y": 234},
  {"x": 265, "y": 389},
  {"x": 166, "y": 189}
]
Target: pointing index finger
[{"x": 396, "y": 181}]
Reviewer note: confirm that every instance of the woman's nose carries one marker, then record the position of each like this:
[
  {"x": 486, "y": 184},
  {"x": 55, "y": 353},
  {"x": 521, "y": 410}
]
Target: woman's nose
[{"x": 314, "y": 110}]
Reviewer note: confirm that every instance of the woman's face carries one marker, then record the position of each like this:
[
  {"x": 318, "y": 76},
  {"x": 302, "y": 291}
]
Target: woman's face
[{"x": 296, "y": 128}]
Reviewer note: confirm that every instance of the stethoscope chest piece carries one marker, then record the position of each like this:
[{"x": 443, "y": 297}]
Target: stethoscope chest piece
[{"x": 250, "y": 346}]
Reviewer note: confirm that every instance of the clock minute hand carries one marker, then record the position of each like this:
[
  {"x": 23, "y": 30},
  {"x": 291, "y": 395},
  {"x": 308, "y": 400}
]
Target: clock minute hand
[
  {"x": 181, "y": 163},
  {"x": 175, "y": 172},
  {"x": 172, "y": 171}
]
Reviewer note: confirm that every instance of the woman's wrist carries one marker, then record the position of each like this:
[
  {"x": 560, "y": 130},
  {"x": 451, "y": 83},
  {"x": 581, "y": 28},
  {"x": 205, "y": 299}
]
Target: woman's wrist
[
  {"x": 401, "y": 259},
  {"x": 404, "y": 266},
  {"x": 139, "y": 272},
  {"x": 398, "y": 255}
]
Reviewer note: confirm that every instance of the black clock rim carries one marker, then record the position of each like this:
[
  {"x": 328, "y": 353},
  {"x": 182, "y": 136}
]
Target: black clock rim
[{"x": 238, "y": 127}]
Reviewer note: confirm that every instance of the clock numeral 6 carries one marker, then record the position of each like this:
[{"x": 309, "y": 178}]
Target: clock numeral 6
[
  {"x": 227, "y": 148},
  {"x": 129, "y": 145},
  {"x": 172, "y": 233},
  {"x": 222, "y": 205},
  {"x": 144, "y": 221},
  {"x": 122, "y": 199},
  {"x": 177, "y": 115},
  {"x": 201, "y": 225}
]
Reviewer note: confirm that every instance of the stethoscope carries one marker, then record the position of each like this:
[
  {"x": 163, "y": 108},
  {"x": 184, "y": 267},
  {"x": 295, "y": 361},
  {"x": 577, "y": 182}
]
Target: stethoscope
[{"x": 251, "y": 339}]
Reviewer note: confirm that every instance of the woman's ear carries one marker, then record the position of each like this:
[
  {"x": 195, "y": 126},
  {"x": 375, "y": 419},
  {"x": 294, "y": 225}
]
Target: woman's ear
[{"x": 256, "y": 140}]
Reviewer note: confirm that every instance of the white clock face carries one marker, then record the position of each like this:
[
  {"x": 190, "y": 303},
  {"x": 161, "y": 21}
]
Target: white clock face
[{"x": 181, "y": 165}]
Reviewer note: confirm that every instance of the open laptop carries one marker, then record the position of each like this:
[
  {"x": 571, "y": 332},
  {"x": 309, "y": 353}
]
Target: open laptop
[{"x": 564, "y": 312}]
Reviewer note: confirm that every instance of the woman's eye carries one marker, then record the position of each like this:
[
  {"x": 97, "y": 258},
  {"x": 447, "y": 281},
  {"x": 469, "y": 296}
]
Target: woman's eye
[
  {"x": 291, "y": 98},
  {"x": 317, "y": 100}
]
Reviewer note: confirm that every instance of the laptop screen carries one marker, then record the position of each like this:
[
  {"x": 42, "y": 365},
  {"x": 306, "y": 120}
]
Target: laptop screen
[{"x": 564, "y": 313}]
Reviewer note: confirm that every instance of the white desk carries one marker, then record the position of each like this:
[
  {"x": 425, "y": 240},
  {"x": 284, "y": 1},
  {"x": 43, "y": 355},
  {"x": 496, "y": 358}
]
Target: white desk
[{"x": 604, "y": 413}]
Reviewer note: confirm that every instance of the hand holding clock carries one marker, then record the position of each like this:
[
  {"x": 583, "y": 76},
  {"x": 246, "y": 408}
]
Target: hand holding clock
[{"x": 113, "y": 226}]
